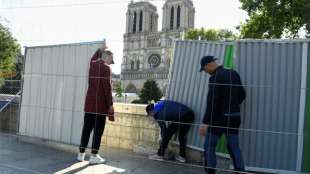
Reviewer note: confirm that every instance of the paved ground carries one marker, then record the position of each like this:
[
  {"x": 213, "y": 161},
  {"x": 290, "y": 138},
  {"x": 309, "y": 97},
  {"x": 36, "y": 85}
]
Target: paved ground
[{"x": 19, "y": 157}]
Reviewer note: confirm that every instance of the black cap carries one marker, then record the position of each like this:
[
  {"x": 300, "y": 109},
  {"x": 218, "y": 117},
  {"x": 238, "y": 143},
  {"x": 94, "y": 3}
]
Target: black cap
[{"x": 205, "y": 60}]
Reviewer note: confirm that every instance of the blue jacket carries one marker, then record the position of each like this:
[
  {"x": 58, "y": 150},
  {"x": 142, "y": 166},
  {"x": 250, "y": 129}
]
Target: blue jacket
[{"x": 172, "y": 111}]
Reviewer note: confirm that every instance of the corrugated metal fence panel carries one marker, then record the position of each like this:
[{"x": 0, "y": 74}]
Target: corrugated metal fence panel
[
  {"x": 187, "y": 85},
  {"x": 55, "y": 83},
  {"x": 306, "y": 153},
  {"x": 271, "y": 72}
]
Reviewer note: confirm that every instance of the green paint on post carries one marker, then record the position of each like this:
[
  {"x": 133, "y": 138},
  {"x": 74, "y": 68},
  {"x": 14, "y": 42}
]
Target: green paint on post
[
  {"x": 228, "y": 63},
  {"x": 222, "y": 145},
  {"x": 229, "y": 57},
  {"x": 306, "y": 154}
]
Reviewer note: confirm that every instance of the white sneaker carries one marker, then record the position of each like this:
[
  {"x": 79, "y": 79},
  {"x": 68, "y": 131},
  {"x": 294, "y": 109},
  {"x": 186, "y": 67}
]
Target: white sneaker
[
  {"x": 81, "y": 157},
  {"x": 96, "y": 159},
  {"x": 156, "y": 157},
  {"x": 180, "y": 159}
]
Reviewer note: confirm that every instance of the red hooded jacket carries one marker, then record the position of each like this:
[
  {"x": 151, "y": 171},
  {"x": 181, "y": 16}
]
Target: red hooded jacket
[{"x": 99, "y": 94}]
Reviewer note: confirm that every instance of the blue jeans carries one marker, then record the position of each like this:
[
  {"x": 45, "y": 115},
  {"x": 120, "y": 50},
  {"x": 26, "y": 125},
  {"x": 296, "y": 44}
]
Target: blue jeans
[{"x": 233, "y": 149}]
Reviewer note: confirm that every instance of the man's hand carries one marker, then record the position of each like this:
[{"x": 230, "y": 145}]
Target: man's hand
[
  {"x": 103, "y": 47},
  {"x": 111, "y": 110},
  {"x": 111, "y": 113},
  {"x": 203, "y": 130}
]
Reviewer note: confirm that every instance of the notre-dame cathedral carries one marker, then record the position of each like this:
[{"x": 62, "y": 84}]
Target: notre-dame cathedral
[{"x": 147, "y": 51}]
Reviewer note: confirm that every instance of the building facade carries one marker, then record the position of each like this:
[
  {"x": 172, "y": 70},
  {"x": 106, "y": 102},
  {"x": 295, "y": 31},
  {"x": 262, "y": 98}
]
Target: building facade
[{"x": 148, "y": 51}]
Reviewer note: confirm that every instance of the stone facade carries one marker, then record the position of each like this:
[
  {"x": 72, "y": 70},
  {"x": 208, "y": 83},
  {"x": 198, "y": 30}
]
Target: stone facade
[
  {"x": 147, "y": 51},
  {"x": 132, "y": 129},
  {"x": 135, "y": 131}
]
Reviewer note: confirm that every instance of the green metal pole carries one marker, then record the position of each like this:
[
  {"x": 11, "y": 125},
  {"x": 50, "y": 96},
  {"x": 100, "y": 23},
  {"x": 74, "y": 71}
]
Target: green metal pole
[{"x": 229, "y": 64}]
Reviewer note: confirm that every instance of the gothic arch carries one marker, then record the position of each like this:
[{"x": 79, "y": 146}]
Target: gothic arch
[
  {"x": 151, "y": 22},
  {"x": 138, "y": 64},
  {"x": 178, "y": 17},
  {"x": 132, "y": 65},
  {"x": 134, "y": 27},
  {"x": 131, "y": 88},
  {"x": 171, "y": 18},
  {"x": 141, "y": 21}
]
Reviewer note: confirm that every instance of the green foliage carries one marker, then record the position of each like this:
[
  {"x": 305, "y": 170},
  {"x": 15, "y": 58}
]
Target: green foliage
[
  {"x": 119, "y": 90},
  {"x": 225, "y": 34},
  {"x": 275, "y": 18},
  {"x": 210, "y": 34},
  {"x": 9, "y": 51},
  {"x": 149, "y": 92}
]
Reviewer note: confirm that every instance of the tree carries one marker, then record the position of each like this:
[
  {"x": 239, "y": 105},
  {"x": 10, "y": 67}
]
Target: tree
[
  {"x": 149, "y": 92},
  {"x": 9, "y": 51},
  {"x": 119, "y": 90},
  {"x": 275, "y": 18},
  {"x": 210, "y": 34},
  {"x": 225, "y": 34}
]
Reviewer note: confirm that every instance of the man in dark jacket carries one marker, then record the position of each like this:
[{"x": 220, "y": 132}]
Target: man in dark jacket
[
  {"x": 98, "y": 104},
  {"x": 222, "y": 115},
  {"x": 179, "y": 118}
]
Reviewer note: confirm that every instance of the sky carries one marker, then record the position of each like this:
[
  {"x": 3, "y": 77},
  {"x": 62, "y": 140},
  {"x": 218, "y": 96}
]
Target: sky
[{"x": 43, "y": 22}]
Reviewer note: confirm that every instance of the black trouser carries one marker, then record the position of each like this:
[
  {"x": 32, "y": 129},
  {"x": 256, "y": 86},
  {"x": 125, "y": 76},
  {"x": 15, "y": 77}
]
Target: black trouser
[
  {"x": 182, "y": 128},
  {"x": 92, "y": 122}
]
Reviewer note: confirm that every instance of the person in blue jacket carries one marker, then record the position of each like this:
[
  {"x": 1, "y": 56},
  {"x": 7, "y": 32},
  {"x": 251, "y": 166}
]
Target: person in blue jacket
[{"x": 179, "y": 118}]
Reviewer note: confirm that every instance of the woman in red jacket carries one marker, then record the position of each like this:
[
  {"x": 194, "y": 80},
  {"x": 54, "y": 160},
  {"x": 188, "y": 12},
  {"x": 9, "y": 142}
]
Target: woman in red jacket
[{"x": 98, "y": 104}]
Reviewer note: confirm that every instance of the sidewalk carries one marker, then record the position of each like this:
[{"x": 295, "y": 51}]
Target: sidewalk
[{"x": 19, "y": 157}]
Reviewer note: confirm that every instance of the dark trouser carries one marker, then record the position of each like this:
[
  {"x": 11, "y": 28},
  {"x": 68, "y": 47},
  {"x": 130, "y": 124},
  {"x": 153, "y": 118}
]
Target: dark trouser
[
  {"x": 172, "y": 128},
  {"x": 92, "y": 122},
  {"x": 233, "y": 149}
]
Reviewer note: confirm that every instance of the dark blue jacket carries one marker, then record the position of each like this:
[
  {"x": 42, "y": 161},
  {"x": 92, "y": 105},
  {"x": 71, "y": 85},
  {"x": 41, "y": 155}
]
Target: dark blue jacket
[
  {"x": 172, "y": 111},
  {"x": 225, "y": 95}
]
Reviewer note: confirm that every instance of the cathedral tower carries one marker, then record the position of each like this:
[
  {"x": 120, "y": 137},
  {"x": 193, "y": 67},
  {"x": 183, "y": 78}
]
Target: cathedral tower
[
  {"x": 178, "y": 15},
  {"x": 141, "y": 17}
]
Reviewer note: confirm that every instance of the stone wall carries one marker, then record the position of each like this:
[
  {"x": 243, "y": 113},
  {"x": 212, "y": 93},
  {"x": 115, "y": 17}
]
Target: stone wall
[{"x": 132, "y": 129}]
